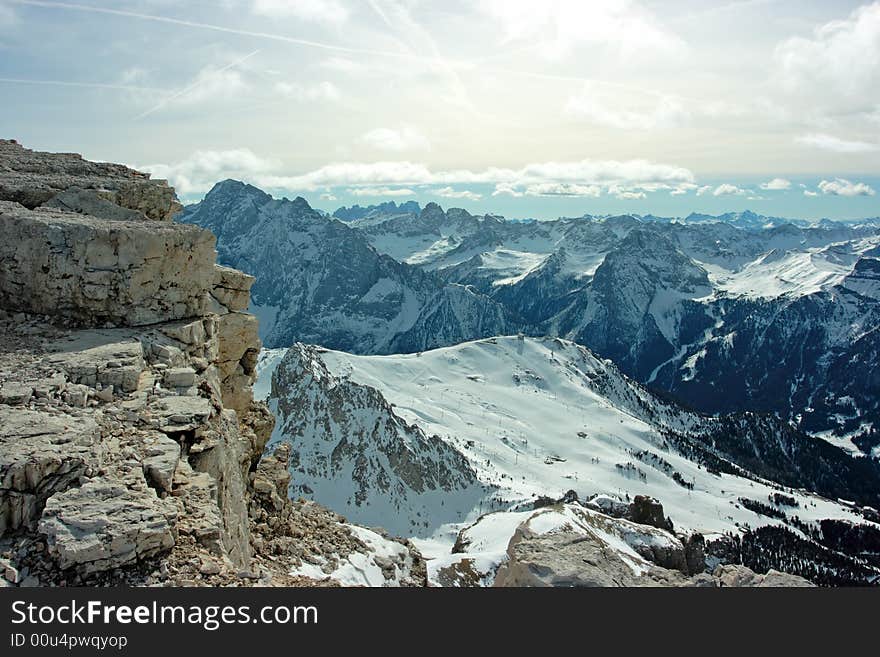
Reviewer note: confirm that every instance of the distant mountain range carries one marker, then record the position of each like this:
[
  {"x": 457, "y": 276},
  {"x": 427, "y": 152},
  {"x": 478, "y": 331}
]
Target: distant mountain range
[
  {"x": 725, "y": 314},
  {"x": 743, "y": 219},
  {"x": 356, "y": 212}
]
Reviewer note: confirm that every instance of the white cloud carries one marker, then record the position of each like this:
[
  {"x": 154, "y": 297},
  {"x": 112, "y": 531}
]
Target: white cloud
[
  {"x": 843, "y": 187},
  {"x": 835, "y": 144},
  {"x": 450, "y": 192},
  {"x": 355, "y": 173},
  {"x": 406, "y": 138},
  {"x": 556, "y": 27},
  {"x": 322, "y": 91},
  {"x": 198, "y": 173},
  {"x": 507, "y": 189},
  {"x": 630, "y": 196},
  {"x": 326, "y": 196},
  {"x": 777, "y": 184},
  {"x": 726, "y": 189},
  {"x": 380, "y": 191},
  {"x": 318, "y": 11},
  {"x": 562, "y": 189},
  {"x": 839, "y": 59},
  {"x": 633, "y": 174},
  {"x": 589, "y": 106},
  {"x": 705, "y": 189},
  {"x": 808, "y": 192}
]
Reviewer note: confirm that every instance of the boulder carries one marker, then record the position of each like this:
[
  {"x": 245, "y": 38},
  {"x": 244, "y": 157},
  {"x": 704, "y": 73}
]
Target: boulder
[
  {"x": 177, "y": 414},
  {"x": 179, "y": 377},
  {"x": 646, "y": 510},
  {"x": 105, "y": 524},
  {"x": 15, "y": 393}
]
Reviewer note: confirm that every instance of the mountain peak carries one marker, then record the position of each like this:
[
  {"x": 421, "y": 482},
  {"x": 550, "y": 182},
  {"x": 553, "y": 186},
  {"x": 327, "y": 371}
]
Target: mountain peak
[
  {"x": 300, "y": 204},
  {"x": 231, "y": 185}
]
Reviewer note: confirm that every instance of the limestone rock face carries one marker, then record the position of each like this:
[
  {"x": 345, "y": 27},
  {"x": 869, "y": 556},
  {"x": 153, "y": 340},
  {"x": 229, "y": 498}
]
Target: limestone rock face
[
  {"x": 227, "y": 462},
  {"x": 232, "y": 288},
  {"x": 128, "y": 429},
  {"x": 162, "y": 455},
  {"x": 130, "y": 443},
  {"x": 94, "y": 272},
  {"x": 570, "y": 559},
  {"x": 737, "y": 575},
  {"x": 237, "y": 361}
]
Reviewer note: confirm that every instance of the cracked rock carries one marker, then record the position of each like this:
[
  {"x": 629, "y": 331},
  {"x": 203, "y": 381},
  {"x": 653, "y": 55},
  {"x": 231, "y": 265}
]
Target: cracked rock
[{"x": 104, "y": 525}]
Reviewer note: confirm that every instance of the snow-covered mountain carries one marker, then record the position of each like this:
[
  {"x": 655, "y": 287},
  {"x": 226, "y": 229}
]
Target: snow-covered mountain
[
  {"x": 352, "y": 451},
  {"x": 320, "y": 281},
  {"x": 499, "y": 424},
  {"x": 782, "y": 317},
  {"x": 767, "y": 311}
]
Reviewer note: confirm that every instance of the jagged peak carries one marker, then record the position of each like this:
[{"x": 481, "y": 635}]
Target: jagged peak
[
  {"x": 390, "y": 208},
  {"x": 431, "y": 209}
]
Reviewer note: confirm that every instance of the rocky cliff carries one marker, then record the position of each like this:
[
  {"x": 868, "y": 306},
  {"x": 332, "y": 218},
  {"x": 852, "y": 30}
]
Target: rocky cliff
[{"x": 130, "y": 444}]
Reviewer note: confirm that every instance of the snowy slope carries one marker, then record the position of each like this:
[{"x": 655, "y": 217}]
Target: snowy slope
[
  {"x": 534, "y": 417},
  {"x": 354, "y": 454},
  {"x": 364, "y": 568}
]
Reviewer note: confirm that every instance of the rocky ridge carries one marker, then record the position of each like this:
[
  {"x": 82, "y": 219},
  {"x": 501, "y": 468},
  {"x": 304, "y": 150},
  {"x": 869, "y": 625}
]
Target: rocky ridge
[
  {"x": 598, "y": 542},
  {"x": 572, "y": 546},
  {"x": 131, "y": 450}
]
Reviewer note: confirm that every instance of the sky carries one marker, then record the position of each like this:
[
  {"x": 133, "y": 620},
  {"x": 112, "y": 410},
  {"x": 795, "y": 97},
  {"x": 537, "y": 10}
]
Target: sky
[{"x": 516, "y": 107}]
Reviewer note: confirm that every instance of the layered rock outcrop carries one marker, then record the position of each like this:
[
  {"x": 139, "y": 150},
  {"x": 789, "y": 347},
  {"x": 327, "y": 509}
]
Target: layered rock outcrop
[
  {"x": 96, "y": 271},
  {"x": 67, "y": 181},
  {"x": 125, "y": 371}
]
